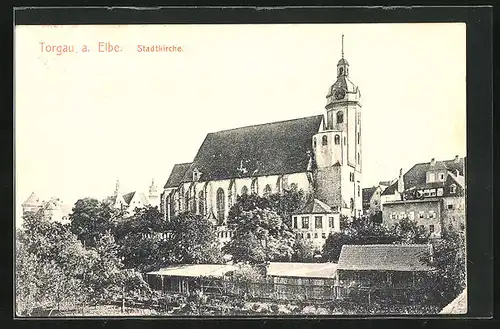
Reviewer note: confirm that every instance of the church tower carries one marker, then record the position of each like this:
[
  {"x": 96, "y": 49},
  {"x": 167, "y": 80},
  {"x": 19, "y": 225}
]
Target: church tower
[
  {"x": 154, "y": 195},
  {"x": 337, "y": 148}
]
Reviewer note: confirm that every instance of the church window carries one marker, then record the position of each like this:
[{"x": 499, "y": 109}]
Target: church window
[
  {"x": 337, "y": 139},
  {"x": 267, "y": 190},
  {"x": 324, "y": 140},
  {"x": 220, "y": 205},
  {"x": 340, "y": 117},
  {"x": 255, "y": 186},
  {"x": 201, "y": 203},
  {"x": 314, "y": 141},
  {"x": 244, "y": 190}
]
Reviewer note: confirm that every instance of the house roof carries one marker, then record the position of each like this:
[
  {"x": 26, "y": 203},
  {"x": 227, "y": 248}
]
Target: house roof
[
  {"x": 303, "y": 270},
  {"x": 416, "y": 176},
  {"x": 176, "y": 174},
  {"x": 382, "y": 257},
  {"x": 195, "y": 270},
  {"x": 367, "y": 193},
  {"x": 314, "y": 206},
  {"x": 267, "y": 149},
  {"x": 129, "y": 196},
  {"x": 32, "y": 200}
]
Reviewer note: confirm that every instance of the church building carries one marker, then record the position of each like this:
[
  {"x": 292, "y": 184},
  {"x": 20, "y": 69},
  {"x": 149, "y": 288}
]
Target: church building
[{"x": 320, "y": 154}]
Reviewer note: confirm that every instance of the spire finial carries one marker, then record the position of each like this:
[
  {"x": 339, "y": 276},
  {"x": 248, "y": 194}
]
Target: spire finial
[{"x": 342, "y": 45}]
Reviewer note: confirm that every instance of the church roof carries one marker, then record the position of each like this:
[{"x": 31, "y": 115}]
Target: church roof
[
  {"x": 345, "y": 83},
  {"x": 176, "y": 175},
  {"x": 314, "y": 206},
  {"x": 260, "y": 150},
  {"x": 416, "y": 176}
]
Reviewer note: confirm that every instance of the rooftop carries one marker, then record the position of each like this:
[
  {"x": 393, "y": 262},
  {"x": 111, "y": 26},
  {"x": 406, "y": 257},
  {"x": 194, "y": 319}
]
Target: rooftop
[
  {"x": 195, "y": 270},
  {"x": 303, "y": 270}
]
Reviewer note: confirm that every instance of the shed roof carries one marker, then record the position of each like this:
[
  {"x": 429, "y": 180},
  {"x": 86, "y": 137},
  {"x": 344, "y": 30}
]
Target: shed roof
[
  {"x": 384, "y": 257},
  {"x": 303, "y": 270},
  {"x": 195, "y": 270}
]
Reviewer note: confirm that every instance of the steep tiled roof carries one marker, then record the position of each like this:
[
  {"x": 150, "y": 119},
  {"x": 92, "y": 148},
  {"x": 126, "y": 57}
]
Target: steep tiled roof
[
  {"x": 416, "y": 176},
  {"x": 176, "y": 174},
  {"x": 314, "y": 206},
  {"x": 382, "y": 257},
  {"x": 266, "y": 149},
  {"x": 303, "y": 270},
  {"x": 129, "y": 196}
]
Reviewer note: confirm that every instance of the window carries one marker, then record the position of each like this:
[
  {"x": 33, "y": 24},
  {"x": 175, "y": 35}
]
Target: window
[
  {"x": 359, "y": 158},
  {"x": 305, "y": 222},
  {"x": 440, "y": 191},
  {"x": 201, "y": 203},
  {"x": 255, "y": 186},
  {"x": 432, "y": 215},
  {"x": 323, "y": 235},
  {"x": 337, "y": 139},
  {"x": 431, "y": 228},
  {"x": 450, "y": 206},
  {"x": 341, "y": 71},
  {"x": 267, "y": 190},
  {"x": 441, "y": 177},
  {"x": 359, "y": 191},
  {"x": 345, "y": 140},
  {"x": 432, "y": 177},
  {"x": 315, "y": 235},
  {"x": 308, "y": 235},
  {"x": 340, "y": 117},
  {"x": 295, "y": 222},
  {"x": 359, "y": 136},
  {"x": 421, "y": 214},
  {"x": 220, "y": 205},
  {"x": 453, "y": 188},
  {"x": 330, "y": 222},
  {"x": 279, "y": 183},
  {"x": 352, "y": 204},
  {"x": 244, "y": 190},
  {"x": 318, "y": 222},
  {"x": 314, "y": 142},
  {"x": 324, "y": 140},
  {"x": 351, "y": 177},
  {"x": 302, "y": 235},
  {"x": 432, "y": 192}
]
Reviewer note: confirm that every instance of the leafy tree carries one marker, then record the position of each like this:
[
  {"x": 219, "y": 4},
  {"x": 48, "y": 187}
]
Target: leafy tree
[
  {"x": 407, "y": 231},
  {"x": 90, "y": 219},
  {"x": 260, "y": 235},
  {"x": 192, "y": 240},
  {"x": 303, "y": 251},
  {"x": 287, "y": 202}
]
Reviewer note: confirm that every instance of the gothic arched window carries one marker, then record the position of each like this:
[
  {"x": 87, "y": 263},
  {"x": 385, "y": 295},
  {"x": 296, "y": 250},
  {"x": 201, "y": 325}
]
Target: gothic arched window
[
  {"x": 267, "y": 190},
  {"x": 337, "y": 139},
  {"x": 244, "y": 190},
  {"x": 340, "y": 117},
  {"x": 341, "y": 71},
  {"x": 201, "y": 203},
  {"x": 255, "y": 186},
  {"x": 220, "y": 205}
]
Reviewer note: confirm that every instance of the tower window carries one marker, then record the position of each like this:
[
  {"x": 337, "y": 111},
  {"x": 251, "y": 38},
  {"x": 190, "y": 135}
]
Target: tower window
[
  {"x": 324, "y": 140},
  {"x": 337, "y": 139},
  {"x": 341, "y": 70},
  {"x": 340, "y": 117}
]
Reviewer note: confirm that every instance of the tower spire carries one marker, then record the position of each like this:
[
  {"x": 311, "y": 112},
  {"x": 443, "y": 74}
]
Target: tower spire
[{"x": 342, "y": 45}]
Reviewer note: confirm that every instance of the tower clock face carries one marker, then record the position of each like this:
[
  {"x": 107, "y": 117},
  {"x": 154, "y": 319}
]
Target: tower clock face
[{"x": 339, "y": 94}]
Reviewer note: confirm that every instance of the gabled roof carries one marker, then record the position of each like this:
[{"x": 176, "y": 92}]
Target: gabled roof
[
  {"x": 302, "y": 270},
  {"x": 194, "y": 271},
  {"x": 314, "y": 206},
  {"x": 129, "y": 196},
  {"x": 384, "y": 257},
  {"x": 367, "y": 193},
  {"x": 416, "y": 176},
  {"x": 33, "y": 200},
  {"x": 176, "y": 174},
  {"x": 266, "y": 149}
]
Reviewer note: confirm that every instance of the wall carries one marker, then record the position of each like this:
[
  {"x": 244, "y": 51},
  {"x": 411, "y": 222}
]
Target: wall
[
  {"x": 419, "y": 210},
  {"x": 453, "y": 218}
]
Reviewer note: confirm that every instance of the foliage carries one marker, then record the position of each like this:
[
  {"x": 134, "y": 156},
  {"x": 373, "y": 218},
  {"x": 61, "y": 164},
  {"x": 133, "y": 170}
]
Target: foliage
[
  {"x": 260, "y": 235},
  {"x": 193, "y": 240},
  {"x": 248, "y": 273},
  {"x": 90, "y": 219},
  {"x": 408, "y": 232},
  {"x": 303, "y": 251}
]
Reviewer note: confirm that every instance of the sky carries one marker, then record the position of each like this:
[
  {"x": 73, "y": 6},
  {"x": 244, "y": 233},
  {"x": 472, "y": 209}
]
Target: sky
[{"x": 85, "y": 119}]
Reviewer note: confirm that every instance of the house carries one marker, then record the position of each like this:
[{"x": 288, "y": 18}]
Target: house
[
  {"x": 431, "y": 193},
  {"x": 372, "y": 203},
  {"x": 383, "y": 267},
  {"x": 53, "y": 210},
  {"x": 135, "y": 199},
  {"x": 315, "y": 221},
  {"x": 319, "y": 154},
  {"x": 302, "y": 280},
  {"x": 186, "y": 279}
]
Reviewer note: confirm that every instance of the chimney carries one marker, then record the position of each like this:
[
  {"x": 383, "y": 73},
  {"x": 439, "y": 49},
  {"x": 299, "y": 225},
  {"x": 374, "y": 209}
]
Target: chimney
[
  {"x": 433, "y": 162},
  {"x": 457, "y": 159},
  {"x": 401, "y": 183}
]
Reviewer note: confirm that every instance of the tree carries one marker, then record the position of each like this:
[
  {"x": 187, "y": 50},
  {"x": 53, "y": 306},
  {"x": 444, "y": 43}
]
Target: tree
[
  {"x": 407, "y": 231},
  {"x": 303, "y": 251},
  {"x": 90, "y": 219},
  {"x": 260, "y": 235},
  {"x": 287, "y": 202},
  {"x": 192, "y": 240}
]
